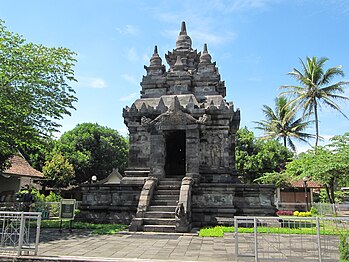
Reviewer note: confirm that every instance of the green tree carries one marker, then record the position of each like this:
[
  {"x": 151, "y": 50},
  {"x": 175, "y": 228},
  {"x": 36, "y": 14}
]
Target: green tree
[
  {"x": 93, "y": 150},
  {"x": 35, "y": 91},
  {"x": 59, "y": 172},
  {"x": 256, "y": 157},
  {"x": 329, "y": 166},
  {"x": 283, "y": 123},
  {"x": 315, "y": 89}
]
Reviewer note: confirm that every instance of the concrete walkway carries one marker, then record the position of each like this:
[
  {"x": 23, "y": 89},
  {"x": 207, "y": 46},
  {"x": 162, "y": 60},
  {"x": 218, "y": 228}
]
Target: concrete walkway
[{"x": 83, "y": 246}]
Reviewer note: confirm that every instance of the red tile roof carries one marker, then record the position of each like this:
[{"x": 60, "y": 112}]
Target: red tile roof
[
  {"x": 20, "y": 167},
  {"x": 300, "y": 184}
]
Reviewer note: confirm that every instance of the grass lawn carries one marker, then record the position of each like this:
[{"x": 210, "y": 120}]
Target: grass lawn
[
  {"x": 288, "y": 226},
  {"x": 100, "y": 229}
]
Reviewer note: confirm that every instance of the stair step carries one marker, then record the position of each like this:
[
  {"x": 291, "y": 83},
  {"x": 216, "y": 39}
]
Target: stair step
[
  {"x": 162, "y": 208},
  {"x": 172, "y": 178},
  {"x": 170, "y": 182},
  {"x": 159, "y": 221},
  {"x": 164, "y": 202},
  {"x": 159, "y": 214},
  {"x": 167, "y": 192},
  {"x": 168, "y": 187},
  {"x": 159, "y": 228},
  {"x": 166, "y": 197}
]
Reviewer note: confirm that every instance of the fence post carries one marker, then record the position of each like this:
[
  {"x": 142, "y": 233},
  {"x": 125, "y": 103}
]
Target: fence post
[
  {"x": 236, "y": 237},
  {"x": 38, "y": 225},
  {"x": 255, "y": 239},
  {"x": 318, "y": 232},
  {"x": 21, "y": 234}
]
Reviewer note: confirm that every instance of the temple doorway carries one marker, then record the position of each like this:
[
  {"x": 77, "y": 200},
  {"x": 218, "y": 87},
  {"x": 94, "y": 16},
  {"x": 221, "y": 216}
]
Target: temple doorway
[{"x": 175, "y": 153}]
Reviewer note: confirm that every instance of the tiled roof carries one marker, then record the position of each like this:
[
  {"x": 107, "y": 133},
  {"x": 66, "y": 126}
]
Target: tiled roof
[
  {"x": 20, "y": 167},
  {"x": 300, "y": 184}
]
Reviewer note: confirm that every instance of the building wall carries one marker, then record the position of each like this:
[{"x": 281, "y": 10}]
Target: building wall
[{"x": 8, "y": 187}]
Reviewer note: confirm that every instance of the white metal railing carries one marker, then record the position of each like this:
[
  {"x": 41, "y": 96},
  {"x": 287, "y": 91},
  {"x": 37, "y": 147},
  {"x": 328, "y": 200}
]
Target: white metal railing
[
  {"x": 288, "y": 239},
  {"x": 324, "y": 209},
  {"x": 19, "y": 232},
  {"x": 47, "y": 209}
]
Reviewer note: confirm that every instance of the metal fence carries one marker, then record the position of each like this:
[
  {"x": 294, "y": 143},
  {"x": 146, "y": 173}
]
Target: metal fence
[
  {"x": 324, "y": 209},
  {"x": 288, "y": 239},
  {"x": 20, "y": 232},
  {"x": 47, "y": 209}
]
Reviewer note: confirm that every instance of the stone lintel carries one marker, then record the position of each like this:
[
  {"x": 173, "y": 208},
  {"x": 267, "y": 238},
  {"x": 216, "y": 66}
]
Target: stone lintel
[{"x": 133, "y": 180}]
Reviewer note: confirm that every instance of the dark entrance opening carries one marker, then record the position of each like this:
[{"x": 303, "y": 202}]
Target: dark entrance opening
[{"x": 175, "y": 153}]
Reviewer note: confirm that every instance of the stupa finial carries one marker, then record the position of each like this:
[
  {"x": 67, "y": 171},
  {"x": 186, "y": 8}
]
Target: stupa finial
[
  {"x": 205, "y": 57},
  {"x": 183, "y": 40},
  {"x": 205, "y": 48},
  {"x": 183, "y": 29},
  {"x": 155, "y": 60}
]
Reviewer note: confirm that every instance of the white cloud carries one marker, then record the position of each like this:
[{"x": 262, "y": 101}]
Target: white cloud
[
  {"x": 92, "y": 82},
  {"x": 123, "y": 131},
  {"x": 212, "y": 38},
  {"x": 98, "y": 83},
  {"x": 129, "y": 97},
  {"x": 203, "y": 36},
  {"x": 127, "y": 30},
  {"x": 245, "y": 5},
  {"x": 130, "y": 78},
  {"x": 131, "y": 54}
]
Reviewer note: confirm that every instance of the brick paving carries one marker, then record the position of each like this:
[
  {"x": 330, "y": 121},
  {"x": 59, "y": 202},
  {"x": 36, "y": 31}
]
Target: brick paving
[{"x": 81, "y": 245}]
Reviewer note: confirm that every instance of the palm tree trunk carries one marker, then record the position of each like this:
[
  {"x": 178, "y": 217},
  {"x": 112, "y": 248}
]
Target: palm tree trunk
[
  {"x": 316, "y": 125},
  {"x": 285, "y": 141}
]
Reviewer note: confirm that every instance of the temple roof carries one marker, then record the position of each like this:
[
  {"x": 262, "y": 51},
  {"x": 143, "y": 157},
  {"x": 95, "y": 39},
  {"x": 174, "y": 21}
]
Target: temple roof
[
  {"x": 20, "y": 167},
  {"x": 189, "y": 72}
]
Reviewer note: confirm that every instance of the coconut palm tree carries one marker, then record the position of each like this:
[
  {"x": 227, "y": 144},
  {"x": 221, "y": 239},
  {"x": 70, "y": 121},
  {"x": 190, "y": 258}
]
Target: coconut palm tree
[
  {"x": 283, "y": 123},
  {"x": 315, "y": 89}
]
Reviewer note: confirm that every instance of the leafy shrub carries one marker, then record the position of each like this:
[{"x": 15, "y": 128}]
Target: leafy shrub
[
  {"x": 314, "y": 212},
  {"x": 344, "y": 248},
  {"x": 302, "y": 214},
  {"x": 284, "y": 213}
]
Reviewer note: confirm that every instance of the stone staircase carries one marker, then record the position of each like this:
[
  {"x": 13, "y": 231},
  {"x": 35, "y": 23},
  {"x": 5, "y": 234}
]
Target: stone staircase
[{"x": 160, "y": 216}]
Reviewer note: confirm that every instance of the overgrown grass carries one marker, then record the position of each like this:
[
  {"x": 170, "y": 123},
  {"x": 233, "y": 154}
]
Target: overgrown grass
[{"x": 100, "y": 229}]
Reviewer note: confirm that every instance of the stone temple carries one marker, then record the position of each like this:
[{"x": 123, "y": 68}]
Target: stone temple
[{"x": 181, "y": 170}]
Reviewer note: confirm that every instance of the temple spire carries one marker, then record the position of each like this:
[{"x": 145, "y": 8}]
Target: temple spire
[
  {"x": 183, "y": 40},
  {"x": 155, "y": 60},
  {"x": 183, "y": 29},
  {"x": 205, "y": 48},
  {"x": 205, "y": 57}
]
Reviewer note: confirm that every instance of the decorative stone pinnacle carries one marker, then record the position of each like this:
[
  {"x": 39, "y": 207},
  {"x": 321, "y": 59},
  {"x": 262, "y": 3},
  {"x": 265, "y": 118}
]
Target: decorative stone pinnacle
[
  {"x": 205, "y": 57},
  {"x": 178, "y": 66},
  {"x": 183, "y": 29},
  {"x": 205, "y": 48},
  {"x": 183, "y": 40},
  {"x": 175, "y": 105},
  {"x": 155, "y": 60}
]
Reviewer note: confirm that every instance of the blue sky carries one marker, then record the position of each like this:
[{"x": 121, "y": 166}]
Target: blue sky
[{"x": 254, "y": 42}]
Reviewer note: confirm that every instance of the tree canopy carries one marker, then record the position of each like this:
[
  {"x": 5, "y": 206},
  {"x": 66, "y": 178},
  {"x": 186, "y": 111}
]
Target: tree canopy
[
  {"x": 36, "y": 91},
  {"x": 283, "y": 123},
  {"x": 92, "y": 150},
  {"x": 59, "y": 172},
  {"x": 256, "y": 157},
  {"x": 329, "y": 166},
  {"x": 316, "y": 88}
]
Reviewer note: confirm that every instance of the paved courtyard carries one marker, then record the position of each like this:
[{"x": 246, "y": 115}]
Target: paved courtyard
[
  {"x": 81, "y": 245},
  {"x": 180, "y": 247}
]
